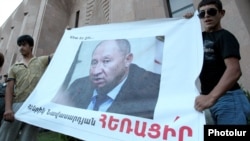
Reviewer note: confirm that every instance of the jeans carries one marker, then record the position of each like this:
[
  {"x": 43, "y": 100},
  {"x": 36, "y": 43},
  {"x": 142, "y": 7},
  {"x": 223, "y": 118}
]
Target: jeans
[
  {"x": 232, "y": 108},
  {"x": 10, "y": 131},
  {"x": 2, "y": 105}
]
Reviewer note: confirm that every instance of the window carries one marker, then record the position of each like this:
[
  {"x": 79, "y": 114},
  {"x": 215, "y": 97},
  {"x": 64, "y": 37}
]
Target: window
[
  {"x": 77, "y": 18},
  {"x": 178, "y": 8}
]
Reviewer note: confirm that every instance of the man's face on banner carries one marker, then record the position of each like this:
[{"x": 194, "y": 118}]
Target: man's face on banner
[{"x": 108, "y": 66}]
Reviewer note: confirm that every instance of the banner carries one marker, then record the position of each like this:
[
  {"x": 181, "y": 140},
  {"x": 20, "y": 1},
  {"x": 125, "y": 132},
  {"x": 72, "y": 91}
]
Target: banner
[{"x": 145, "y": 71}]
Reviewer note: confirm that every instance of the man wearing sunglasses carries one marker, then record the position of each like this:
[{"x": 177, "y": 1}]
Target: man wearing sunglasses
[{"x": 220, "y": 91}]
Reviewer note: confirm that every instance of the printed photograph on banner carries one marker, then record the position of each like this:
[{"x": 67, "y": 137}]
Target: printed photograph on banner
[{"x": 116, "y": 75}]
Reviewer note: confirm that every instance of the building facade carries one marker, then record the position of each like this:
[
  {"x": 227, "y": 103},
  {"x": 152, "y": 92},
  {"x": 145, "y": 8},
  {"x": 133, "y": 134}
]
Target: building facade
[{"x": 46, "y": 21}]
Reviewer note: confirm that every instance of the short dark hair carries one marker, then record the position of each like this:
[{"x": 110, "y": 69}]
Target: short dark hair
[
  {"x": 217, "y": 3},
  {"x": 25, "y": 39},
  {"x": 1, "y": 59}
]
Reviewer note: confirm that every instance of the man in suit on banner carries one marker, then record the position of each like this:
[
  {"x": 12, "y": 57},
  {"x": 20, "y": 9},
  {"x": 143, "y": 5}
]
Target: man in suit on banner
[{"x": 114, "y": 83}]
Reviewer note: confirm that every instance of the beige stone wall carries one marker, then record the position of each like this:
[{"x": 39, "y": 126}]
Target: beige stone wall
[
  {"x": 94, "y": 12},
  {"x": 50, "y": 27},
  {"x": 243, "y": 33}
]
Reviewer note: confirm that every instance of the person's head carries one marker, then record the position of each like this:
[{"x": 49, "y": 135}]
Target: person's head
[
  {"x": 1, "y": 60},
  {"x": 26, "y": 43},
  {"x": 210, "y": 13},
  {"x": 110, "y": 64}
]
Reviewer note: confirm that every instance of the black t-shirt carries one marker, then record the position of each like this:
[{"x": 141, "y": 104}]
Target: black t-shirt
[
  {"x": 218, "y": 45},
  {"x": 2, "y": 89}
]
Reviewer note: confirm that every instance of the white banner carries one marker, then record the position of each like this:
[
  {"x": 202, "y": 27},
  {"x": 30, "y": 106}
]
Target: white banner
[{"x": 154, "y": 102}]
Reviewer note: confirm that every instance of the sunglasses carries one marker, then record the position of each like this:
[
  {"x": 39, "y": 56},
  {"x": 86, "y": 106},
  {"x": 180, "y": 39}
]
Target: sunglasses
[{"x": 210, "y": 12}]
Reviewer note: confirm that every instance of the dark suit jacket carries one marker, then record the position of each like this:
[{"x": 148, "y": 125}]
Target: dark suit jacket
[{"x": 137, "y": 97}]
